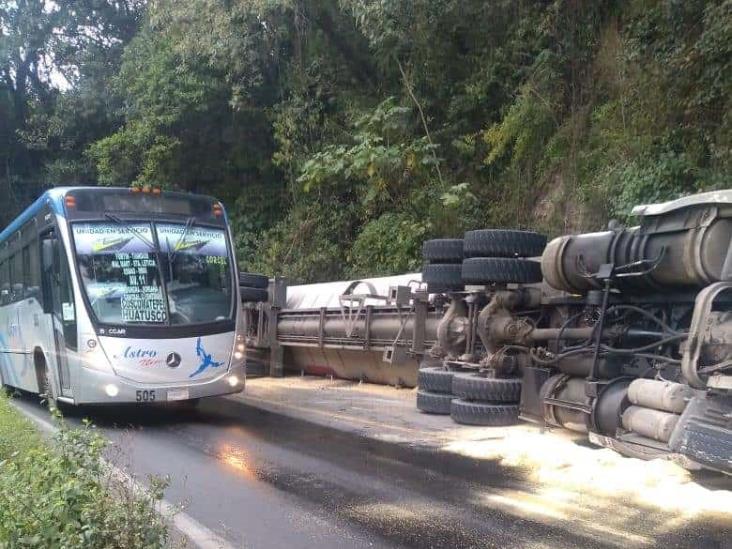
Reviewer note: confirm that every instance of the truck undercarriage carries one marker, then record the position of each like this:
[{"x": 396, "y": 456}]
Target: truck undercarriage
[{"x": 624, "y": 334}]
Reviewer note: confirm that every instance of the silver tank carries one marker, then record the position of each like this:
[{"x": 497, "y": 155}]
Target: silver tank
[
  {"x": 345, "y": 329},
  {"x": 682, "y": 244}
]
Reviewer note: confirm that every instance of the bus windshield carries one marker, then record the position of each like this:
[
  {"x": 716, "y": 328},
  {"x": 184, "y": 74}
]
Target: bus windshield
[{"x": 158, "y": 274}]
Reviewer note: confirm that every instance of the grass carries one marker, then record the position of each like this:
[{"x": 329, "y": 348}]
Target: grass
[
  {"x": 59, "y": 492},
  {"x": 17, "y": 434}
]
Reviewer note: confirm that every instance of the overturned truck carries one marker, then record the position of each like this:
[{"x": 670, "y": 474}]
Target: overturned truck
[{"x": 624, "y": 334}]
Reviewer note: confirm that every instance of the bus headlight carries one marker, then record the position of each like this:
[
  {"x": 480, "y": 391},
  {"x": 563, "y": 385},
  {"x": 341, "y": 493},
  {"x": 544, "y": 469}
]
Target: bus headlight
[
  {"x": 112, "y": 390},
  {"x": 240, "y": 345},
  {"x": 233, "y": 381}
]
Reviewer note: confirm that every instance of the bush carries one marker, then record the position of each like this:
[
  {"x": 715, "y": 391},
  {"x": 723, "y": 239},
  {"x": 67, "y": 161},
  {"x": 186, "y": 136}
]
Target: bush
[
  {"x": 17, "y": 435},
  {"x": 309, "y": 244},
  {"x": 63, "y": 495},
  {"x": 388, "y": 245}
]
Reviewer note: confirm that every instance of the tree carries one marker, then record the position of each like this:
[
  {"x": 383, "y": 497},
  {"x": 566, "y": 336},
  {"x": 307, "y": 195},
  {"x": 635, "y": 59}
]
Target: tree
[
  {"x": 341, "y": 133},
  {"x": 72, "y": 44}
]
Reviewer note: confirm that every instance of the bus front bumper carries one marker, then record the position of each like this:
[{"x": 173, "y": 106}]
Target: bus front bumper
[{"x": 105, "y": 388}]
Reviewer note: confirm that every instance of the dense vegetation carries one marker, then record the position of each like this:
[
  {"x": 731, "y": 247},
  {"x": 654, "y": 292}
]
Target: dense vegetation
[
  {"x": 59, "y": 494},
  {"x": 342, "y": 133}
]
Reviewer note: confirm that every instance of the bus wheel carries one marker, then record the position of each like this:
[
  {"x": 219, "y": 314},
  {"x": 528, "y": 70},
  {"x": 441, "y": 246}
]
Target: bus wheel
[{"x": 45, "y": 386}]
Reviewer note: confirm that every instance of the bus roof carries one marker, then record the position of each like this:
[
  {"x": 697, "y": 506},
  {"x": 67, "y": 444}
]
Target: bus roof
[
  {"x": 51, "y": 196},
  {"x": 54, "y": 198}
]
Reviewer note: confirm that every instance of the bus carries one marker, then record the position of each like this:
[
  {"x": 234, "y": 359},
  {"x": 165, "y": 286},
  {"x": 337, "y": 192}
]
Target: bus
[{"x": 120, "y": 295}]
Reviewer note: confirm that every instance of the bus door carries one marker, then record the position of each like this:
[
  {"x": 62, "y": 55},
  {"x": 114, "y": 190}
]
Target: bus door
[{"x": 58, "y": 303}]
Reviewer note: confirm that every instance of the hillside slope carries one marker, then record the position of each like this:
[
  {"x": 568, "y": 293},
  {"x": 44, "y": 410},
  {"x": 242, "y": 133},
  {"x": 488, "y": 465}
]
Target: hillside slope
[{"x": 340, "y": 134}]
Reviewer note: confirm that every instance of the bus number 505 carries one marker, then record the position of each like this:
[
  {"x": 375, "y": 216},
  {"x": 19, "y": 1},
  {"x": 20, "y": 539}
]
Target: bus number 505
[{"x": 146, "y": 396}]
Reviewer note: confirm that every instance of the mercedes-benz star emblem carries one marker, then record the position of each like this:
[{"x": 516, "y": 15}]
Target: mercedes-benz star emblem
[{"x": 173, "y": 360}]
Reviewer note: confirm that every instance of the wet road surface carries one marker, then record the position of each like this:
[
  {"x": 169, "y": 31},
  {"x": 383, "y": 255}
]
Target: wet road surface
[{"x": 261, "y": 480}]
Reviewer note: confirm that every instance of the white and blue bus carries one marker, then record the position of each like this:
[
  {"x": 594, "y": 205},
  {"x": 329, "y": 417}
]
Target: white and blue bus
[{"x": 113, "y": 295}]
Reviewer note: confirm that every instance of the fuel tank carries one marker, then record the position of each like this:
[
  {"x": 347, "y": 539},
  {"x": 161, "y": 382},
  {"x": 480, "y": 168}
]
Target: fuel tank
[{"x": 682, "y": 244}]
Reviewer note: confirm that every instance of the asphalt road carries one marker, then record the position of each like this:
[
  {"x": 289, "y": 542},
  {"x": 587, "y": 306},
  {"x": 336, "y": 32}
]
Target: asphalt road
[{"x": 260, "y": 480}]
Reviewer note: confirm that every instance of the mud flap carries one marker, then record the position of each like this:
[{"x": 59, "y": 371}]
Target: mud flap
[{"x": 704, "y": 432}]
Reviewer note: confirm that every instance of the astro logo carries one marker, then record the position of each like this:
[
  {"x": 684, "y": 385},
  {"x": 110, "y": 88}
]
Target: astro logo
[
  {"x": 139, "y": 353},
  {"x": 206, "y": 360},
  {"x": 145, "y": 357}
]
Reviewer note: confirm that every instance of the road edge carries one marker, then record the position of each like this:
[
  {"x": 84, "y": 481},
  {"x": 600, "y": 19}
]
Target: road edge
[{"x": 186, "y": 526}]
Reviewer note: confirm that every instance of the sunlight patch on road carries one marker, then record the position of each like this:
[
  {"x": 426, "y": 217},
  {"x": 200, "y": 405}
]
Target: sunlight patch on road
[
  {"x": 235, "y": 459},
  {"x": 566, "y": 471},
  {"x": 551, "y": 506},
  {"x": 526, "y": 504}
]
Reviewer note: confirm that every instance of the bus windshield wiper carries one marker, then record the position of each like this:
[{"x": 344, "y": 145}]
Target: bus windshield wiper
[
  {"x": 130, "y": 228},
  {"x": 181, "y": 240}
]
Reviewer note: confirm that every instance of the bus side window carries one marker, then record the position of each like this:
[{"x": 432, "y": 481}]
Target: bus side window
[
  {"x": 26, "y": 290},
  {"x": 4, "y": 283},
  {"x": 31, "y": 269},
  {"x": 47, "y": 274},
  {"x": 16, "y": 277}
]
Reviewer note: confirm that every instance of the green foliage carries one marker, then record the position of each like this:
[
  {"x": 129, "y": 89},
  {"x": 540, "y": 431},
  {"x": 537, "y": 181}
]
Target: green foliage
[
  {"x": 384, "y": 161},
  {"x": 309, "y": 244},
  {"x": 389, "y": 244},
  {"x": 162, "y": 95},
  {"x": 43, "y": 132},
  {"x": 323, "y": 124},
  {"x": 17, "y": 434},
  {"x": 62, "y": 495}
]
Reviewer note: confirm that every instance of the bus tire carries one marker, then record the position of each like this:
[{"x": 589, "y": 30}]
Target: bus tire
[
  {"x": 253, "y": 295},
  {"x": 45, "y": 387},
  {"x": 253, "y": 280}
]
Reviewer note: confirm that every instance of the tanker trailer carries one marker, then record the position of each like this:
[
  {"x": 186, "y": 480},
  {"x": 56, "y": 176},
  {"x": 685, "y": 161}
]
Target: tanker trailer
[{"x": 374, "y": 330}]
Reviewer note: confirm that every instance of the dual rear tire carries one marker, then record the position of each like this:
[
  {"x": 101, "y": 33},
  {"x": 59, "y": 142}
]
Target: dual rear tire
[
  {"x": 500, "y": 257},
  {"x": 443, "y": 265},
  {"x": 253, "y": 287},
  {"x": 435, "y": 390},
  {"x": 469, "y": 398},
  {"x": 486, "y": 401},
  {"x": 483, "y": 414},
  {"x": 434, "y": 403},
  {"x": 503, "y": 243},
  {"x": 487, "y": 256}
]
